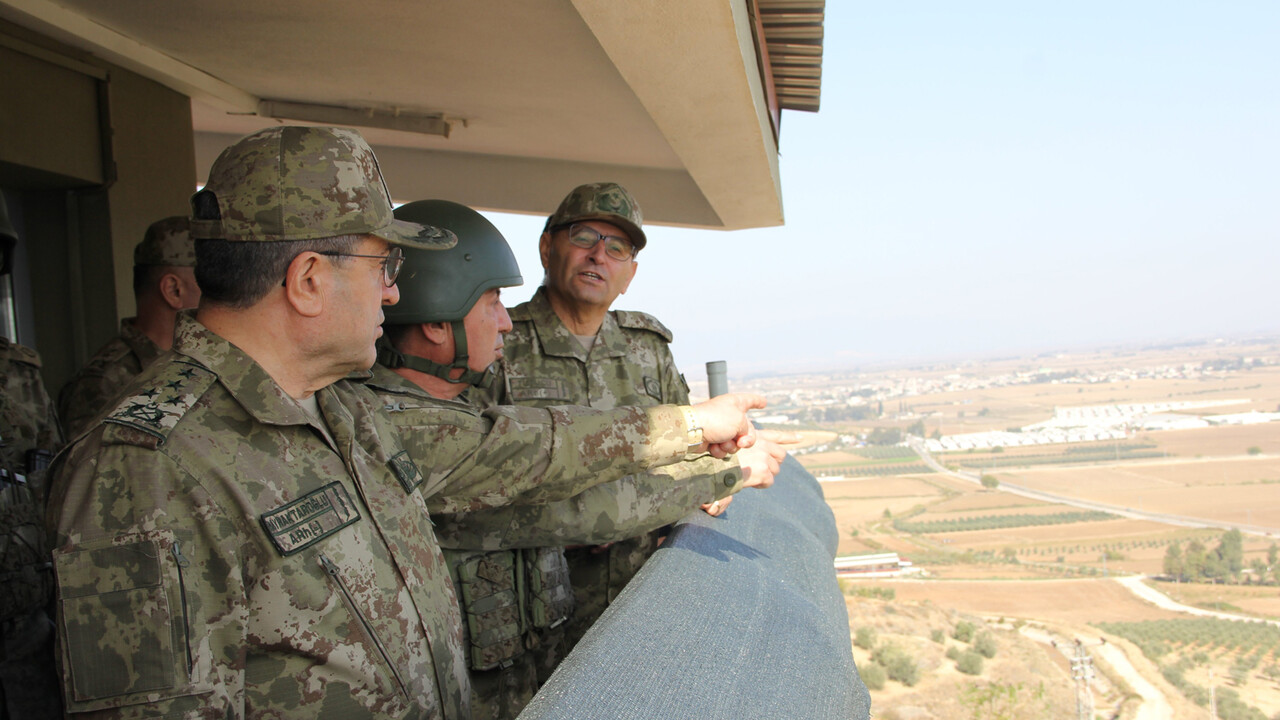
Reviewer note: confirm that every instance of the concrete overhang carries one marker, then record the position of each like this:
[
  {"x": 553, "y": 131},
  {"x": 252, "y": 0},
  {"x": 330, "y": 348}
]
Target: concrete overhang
[{"x": 676, "y": 100}]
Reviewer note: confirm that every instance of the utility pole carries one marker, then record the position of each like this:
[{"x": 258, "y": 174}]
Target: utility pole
[
  {"x": 1213, "y": 700},
  {"x": 1082, "y": 672}
]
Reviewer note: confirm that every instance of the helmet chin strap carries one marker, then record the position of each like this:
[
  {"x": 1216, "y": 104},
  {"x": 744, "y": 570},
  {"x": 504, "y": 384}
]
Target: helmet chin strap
[{"x": 393, "y": 358}]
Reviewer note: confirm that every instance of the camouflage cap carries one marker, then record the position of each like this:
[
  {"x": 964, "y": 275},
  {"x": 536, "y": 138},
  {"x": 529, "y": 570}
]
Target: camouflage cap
[
  {"x": 167, "y": 242},
  {"x": 608, "y": 202},
  {"x": 302, "y": 183}
]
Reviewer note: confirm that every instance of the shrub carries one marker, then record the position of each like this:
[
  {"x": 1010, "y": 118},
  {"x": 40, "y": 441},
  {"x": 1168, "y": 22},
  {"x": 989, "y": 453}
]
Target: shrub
[
  {"x": 990, "y": 482},
  {"x": 985, "y": 645},
  {"x": 938, "y": 636},
  {"x": 898, "y": 664},
  {"x": 872, "y": 676},
  {"x": 1255, "y": 450},
  {"x": 865, "y": 638},
  {"x": 953, "y": 653},
  {"x": 964, "y": 631},
  {"x": 970, "y": 663}
]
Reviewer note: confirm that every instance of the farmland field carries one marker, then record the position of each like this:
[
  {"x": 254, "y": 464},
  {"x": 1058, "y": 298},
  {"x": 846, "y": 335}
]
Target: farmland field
[
  {"x": 1222, "y": 441},
  {"x": 991, "y": 559},
  {"x": 1071, "y": 602},
  {"x": 1242, "y": 490},
  {"x": 1260, "y": 601}
]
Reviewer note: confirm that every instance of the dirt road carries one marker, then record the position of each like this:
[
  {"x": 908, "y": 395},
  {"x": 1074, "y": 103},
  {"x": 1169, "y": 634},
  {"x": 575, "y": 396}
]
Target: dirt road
[{"x": 1136, "y": 586}]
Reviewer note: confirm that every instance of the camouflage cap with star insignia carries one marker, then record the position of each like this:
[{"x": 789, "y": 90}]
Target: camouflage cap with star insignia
[
  {"x": 303, "y": 183},
  {"x": 605, "y": 201}
]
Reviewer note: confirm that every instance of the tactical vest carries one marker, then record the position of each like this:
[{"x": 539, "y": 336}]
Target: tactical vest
[{"x": 506, "y": 593}]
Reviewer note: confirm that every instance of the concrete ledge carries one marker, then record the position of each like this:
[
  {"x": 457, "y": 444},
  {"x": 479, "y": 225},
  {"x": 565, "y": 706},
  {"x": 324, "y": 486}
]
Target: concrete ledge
[{"x": 734, "y": 617}]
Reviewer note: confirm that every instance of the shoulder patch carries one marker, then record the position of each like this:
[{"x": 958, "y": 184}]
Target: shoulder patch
[
  {"x": 20, "y": 353},
  {"x": 642, "y": 321},
  {"x": 406, "y": 471},
  {"x": 147, "y": 417}
]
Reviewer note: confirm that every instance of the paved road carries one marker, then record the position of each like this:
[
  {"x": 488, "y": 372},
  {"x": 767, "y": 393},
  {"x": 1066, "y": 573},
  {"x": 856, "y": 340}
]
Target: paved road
[{"x": 918, "y": 446}]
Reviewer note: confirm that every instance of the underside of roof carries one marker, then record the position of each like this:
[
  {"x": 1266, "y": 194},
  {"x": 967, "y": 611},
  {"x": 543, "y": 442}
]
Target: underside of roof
[{"x": 500, "y": 104}]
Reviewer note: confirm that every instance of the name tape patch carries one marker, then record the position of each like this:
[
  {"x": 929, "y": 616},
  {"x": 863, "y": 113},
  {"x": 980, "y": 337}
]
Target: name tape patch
[
  {"x": 532, "y": 388},
  {"x": 310, "y": 519}
]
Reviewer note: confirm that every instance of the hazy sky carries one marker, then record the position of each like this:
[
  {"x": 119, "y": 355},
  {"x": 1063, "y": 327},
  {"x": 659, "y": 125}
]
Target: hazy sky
[{"x": 987, "y": 178}]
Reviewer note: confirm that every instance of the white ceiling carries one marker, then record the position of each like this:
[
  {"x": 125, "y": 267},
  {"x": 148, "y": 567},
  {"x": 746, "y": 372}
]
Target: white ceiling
[{"x": 664, "y": 96}]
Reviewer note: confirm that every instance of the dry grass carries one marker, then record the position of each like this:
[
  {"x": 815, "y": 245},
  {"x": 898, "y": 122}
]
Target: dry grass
[
  {"x": 975, "y": 501},
  {"x": 939, "y": 692},
  {"x": 1260, "y": 601},
  {"x": 879, "y": 487},
  {"x": 1222, "y": 441}
]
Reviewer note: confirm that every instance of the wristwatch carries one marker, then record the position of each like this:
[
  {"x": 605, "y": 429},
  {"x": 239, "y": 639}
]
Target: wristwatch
[{"x": 694, "y": 430}]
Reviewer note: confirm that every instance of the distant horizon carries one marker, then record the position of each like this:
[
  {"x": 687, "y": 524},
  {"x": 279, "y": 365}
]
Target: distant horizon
[
  {"x": 994, "y": 178},
  {"x": 872, "y": 366}
]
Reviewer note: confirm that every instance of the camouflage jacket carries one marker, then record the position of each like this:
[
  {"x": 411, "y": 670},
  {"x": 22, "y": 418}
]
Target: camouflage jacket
[
  {"x": 629, "y": 364},
  {"x": 475, "y": 459},
  {"x": 27, "y": 428},
  {"x": 607, "y": 512},
  {"x": 101, "y": 380},
  {"x": 218, "y": 557},
  {"x": 27, "y": 420}
]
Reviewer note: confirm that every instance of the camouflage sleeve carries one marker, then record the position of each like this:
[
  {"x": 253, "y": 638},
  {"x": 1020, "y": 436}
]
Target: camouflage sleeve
[
  {"x": 613, "y": 511},
  {"x": 533, "y": 455},
  {"x": 674, "y": 388},
  {"x": 83, "y": 398},
  {"x": 151, "y": 608}
]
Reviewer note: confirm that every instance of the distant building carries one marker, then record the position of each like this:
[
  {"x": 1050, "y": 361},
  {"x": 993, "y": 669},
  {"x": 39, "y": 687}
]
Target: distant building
[{"x": 874, "y": 565}]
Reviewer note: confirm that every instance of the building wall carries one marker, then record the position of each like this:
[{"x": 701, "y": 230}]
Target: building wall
[{"x": 93, "y": 153}]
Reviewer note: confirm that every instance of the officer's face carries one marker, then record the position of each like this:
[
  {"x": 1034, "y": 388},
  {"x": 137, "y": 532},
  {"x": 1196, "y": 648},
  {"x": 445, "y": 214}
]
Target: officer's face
[
  {"x": 356, "y": 306},
  {"x": 582, "y": 277},
  {"x": 485, "y": 324}
]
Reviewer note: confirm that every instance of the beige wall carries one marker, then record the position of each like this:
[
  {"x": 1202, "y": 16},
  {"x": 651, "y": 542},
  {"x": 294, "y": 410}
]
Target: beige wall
[{"x": 99, "y": 154}]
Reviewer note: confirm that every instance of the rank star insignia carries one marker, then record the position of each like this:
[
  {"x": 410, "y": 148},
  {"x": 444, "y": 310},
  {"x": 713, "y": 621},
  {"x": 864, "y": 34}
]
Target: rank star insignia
[
  {"x": 188, "y": 373},
  {"x": 150, "y": 393},
  {"x": 173, "y": 384}
]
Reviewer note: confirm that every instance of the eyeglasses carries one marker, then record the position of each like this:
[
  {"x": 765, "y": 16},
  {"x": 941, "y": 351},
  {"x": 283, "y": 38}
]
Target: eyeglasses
[
  {"x": 615, "y": 246},
  {"x": 391, "y": 262}
]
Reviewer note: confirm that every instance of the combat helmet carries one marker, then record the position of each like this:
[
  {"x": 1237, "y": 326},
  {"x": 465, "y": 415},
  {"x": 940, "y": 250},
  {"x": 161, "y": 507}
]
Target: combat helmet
[{"x": 443, "y": 286}]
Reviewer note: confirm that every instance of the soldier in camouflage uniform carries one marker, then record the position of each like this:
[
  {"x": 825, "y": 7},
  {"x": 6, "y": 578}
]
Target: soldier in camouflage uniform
[
  {"x": 245, "y": 535},
  {"x": 164, "y": 283},
  {"x": 449, "y": 323},
  {"x": 568, "y": 346},
  {"x": 29, "y": 436}
]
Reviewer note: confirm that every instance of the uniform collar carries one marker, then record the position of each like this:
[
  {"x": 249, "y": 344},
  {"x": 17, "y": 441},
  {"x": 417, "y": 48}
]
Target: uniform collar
[
  {"x": 139, "y": 344},
  {"x": 556, "y": 340},
  {"x": 384, "y": 380},
  {"x": 246, "y": 381}
]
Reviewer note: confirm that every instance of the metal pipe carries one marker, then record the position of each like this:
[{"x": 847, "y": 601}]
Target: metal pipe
[{"x": 717, "y": 377}]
